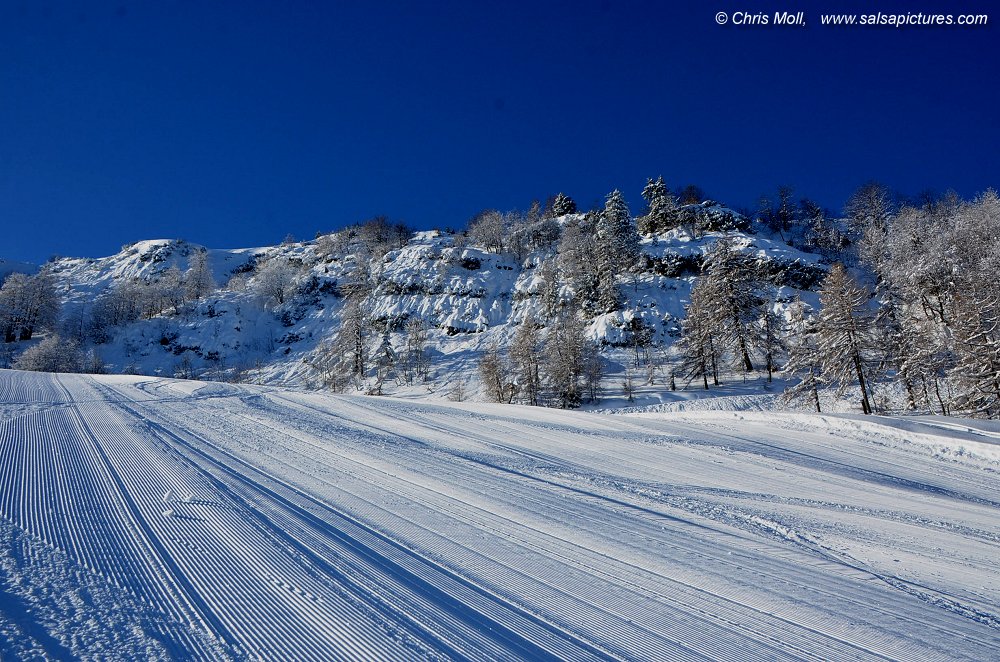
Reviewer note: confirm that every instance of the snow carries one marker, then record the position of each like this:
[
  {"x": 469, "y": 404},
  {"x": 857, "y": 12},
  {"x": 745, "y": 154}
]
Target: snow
[
  {"x": 468, "y": 296},
  {"x": 148, "y": 518}
]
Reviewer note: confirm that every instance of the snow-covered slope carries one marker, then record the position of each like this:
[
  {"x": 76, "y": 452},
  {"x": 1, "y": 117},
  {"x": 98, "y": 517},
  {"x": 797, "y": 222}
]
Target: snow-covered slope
[
  {"x": 8, "y": 267},
  {"x": 469, "y": 298},
  {"x": 151, "y": 518}
]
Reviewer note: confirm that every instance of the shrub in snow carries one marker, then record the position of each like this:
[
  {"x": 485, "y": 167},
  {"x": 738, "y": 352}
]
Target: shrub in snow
[{"x": 54, "y": 354}]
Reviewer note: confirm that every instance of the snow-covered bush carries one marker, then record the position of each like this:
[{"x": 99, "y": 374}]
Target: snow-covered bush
[{"x": 54, "y": 354}]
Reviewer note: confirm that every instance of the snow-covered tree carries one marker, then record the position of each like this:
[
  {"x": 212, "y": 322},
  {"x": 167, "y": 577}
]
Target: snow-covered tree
[
  {"x": 804, "y": 358},
  {"x": 868, "y": 210},
  {"x": 562, "y": 205},
  {"x": 732, "y": 295},
  {"x": 779, "y": 214},
  {"x": 53, "y": 354},
  {"x": 772, "y": 342},
  {"x": 526, "y": 360},
  {"x": 699, "y": 347},
  {"x": 198, "y": 279},
  {"x": 352, "y": 337},
  {"x": 274, "y": 282},
  {"x": 496, "y": 374},
  {"x": 566, "y": 348},
  {"x": 617, "y": 237},
  {"x": 822, "y": 234},
  {"x": 489, "y": 229},
  {"x": 661, "y": 213},
  {"x": 385, "y": 359},
  {"x": 977, "y": 343},
  {"x": 843, "y": 335},
  {"x": 414, "y": 361},
  {"x": 343, "y": 360},
  {"x": 617, "y": 251},
  {"x": 28, "y": 304},
  {"x": 578, "y": 261}
]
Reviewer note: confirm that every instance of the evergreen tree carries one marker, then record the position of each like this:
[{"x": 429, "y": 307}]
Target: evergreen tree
[
  {"x": 385, "y": 360},
  {"x": 578, "y": 262},
  {"x": 562, "y": 205},
  {"x": 661, "y": 214},
  {"x": 618, "y": 240},
  {"x": 549, "y": 287},
  {"x": 415, "y": 364},
  {"x": 617, "y": 250}
]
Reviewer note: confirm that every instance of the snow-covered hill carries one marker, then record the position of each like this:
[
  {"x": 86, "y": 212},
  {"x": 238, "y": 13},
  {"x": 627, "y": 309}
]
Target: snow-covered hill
[
  {"x": 467, "y": 296},
  {"x": 147, "y": 518},
  {"x": 8, "y": 267}
]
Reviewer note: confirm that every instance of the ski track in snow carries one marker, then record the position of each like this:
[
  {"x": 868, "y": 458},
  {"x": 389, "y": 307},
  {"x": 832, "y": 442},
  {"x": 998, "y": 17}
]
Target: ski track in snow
[{"x": 151, "y": 518}]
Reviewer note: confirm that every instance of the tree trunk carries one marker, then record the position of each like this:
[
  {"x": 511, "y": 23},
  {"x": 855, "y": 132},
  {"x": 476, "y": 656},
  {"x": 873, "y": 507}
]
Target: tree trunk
[{"x": 866, "y": 406}]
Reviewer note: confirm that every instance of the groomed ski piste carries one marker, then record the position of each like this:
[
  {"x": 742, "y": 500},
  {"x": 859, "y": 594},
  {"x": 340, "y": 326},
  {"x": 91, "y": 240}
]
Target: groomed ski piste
[{"x": 148, "y": 518}]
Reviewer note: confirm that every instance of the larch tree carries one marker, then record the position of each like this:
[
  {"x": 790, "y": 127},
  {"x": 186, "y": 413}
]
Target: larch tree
[
  {"x": 526, "y": 359},
  {"x": 699, "y": 346},
  {"x": 496, "y": 375},
  {"x": 843, "y": 335},
  {"x": 868, "y": 210},
  {"x": 977, "y": 339},
  {"x": 415, "y": 362},
  {"x": 566, "y": 348},
  {"x": 734, "y": 301},
  {"x": 804, "y": 359}
]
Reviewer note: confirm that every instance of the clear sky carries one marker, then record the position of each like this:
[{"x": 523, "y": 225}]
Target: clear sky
[{"x": 235, "y": 124}]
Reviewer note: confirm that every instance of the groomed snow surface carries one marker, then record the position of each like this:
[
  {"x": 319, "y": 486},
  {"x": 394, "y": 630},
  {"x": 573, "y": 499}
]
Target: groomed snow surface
[{"x": 145, "y": 518}]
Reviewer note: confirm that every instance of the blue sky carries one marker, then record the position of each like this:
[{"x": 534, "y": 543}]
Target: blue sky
[{"x": 235, "y": 124}]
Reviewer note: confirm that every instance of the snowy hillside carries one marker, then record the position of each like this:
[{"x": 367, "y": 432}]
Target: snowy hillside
[
  {"x": 8, "y": 267},
  {"x": 467, "y": 298},
  {"x": 147, "y": 518}
]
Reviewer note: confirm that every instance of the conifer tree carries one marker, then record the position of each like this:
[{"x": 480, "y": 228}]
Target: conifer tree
[
  {"x": 562, "y": 205},
  {"x": 415, "y": 365},
  {"x": 618, "y": 240},
  {"x": 566, "y": 349},
  {"x": 699, "y": 347},
  {"x": 977, "y": 372},
  {"x": 495, "y": 374},
  {"x": 526, "y": 360},
  {"x": 843, "y": 334},
  {"x": 617, "y": 250},
  {"x": 804, "y": 359},
  {"x": 661, "y": 214},
  {"x": 734, "y": 301}
]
